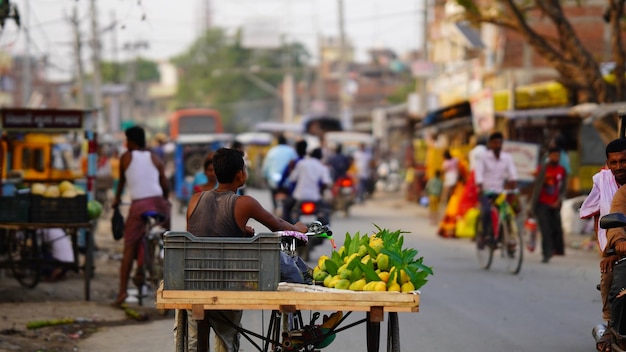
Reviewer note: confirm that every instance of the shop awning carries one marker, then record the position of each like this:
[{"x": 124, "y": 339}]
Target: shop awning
[
  {"x": 448, "y": 113},
  {"x": 536, "y": 113},
  {"x": 604, "y": 118}
]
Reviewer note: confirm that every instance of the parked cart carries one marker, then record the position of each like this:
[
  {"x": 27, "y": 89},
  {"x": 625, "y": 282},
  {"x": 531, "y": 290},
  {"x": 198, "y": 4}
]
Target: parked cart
[
  {"x": 209, "y": 273},
  {"x": 45, "y": 147}
]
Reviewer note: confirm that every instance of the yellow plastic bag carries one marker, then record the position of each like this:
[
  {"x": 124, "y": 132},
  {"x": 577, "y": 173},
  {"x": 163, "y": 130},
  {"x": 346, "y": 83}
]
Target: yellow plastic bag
[{"x": 466, "y": 226}]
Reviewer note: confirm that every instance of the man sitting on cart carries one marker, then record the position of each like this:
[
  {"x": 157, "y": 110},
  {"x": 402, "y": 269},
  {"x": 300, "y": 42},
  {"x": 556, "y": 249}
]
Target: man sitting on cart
[
  {"x": 148, "y": 188},
  {"x": 223, "y": 213}
]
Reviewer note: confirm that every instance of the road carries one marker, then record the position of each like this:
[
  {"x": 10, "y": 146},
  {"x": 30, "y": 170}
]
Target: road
[{"x": 547, "y": 307}]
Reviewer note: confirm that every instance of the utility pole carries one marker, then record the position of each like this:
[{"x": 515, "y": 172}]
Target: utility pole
[
  {"x": 97, "y": 80},
  {"x": 288, "y": 85},
  {"x": 424, "y": 79},
  {"x": 346, "y": 114},
  {"x": 116, "y": 71},
  {"x": 320, "y": 92},
  {"x": 26, "y": 70},
  {"x": 80, "y": 74}
]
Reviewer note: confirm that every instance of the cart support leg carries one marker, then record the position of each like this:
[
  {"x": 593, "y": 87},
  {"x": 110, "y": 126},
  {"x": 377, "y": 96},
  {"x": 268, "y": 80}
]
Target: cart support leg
[
  {"x": 88, "y": 270},
  {"x": 372, "y": 326},
  {"x": 197, "y": 314}
]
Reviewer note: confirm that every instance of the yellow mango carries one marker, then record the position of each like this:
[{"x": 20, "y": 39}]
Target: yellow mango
[
  {"x": 342, "y": 284},
  {"x": 394, "y": 287},
  {"x": 370, "y": 286},
  {"x": 404, "y": 278},
  {"x": 357, "y": 285},
  {"x": 407, "y": 287},
  {"x": 384, "y": 275},
  {"x": 380, "y": 286},
  {"x": 382, "y": 261},
  {"x": 334, "y": 281},
  {"x": 327, "y": 281}
]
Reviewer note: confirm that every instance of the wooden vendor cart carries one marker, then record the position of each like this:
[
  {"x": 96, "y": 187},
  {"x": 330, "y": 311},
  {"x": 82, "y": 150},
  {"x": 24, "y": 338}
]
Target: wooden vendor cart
[
  {"x": 224, "y": 273},
  {"x": 45, "y": 147},
  {"x": 293, "y": 298}
]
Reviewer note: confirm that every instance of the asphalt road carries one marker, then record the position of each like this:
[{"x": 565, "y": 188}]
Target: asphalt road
[{"x": 547, "y": 307}]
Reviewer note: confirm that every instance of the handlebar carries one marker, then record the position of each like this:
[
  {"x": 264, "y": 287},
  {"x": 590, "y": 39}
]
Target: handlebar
[{"x": 316, "y": 229}]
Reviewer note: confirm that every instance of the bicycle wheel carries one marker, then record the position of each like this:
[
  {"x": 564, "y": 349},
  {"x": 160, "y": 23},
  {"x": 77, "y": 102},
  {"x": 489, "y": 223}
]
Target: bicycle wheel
[
  {"x": 155, "y": 260},
  {"x": 484, "y": 250},
  {"x": 512, "y": 245},
  {"x": 393, "y": 333},
  {"x": 24, "y": 258}
]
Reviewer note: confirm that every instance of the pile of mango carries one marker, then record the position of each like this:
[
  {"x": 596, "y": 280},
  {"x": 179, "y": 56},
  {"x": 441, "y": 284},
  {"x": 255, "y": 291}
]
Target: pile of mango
[{"x": 373, "y": 263}]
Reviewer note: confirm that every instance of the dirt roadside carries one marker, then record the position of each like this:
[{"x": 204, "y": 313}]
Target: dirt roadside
[{"x": 65, "y": 299}]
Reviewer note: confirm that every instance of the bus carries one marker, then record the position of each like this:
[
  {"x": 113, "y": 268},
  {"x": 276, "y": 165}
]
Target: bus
[{"x": 195, "y": 121}]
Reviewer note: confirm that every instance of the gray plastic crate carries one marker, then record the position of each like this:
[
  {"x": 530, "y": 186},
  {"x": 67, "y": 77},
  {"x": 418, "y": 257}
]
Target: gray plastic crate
[{"x": 221, "y": 263}]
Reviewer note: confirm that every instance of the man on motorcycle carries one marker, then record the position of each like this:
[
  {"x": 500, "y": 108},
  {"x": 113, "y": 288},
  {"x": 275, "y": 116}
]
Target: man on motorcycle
[
  {"x": 597, "y": 204},
  {"x": 339, "y": 163},
  {"x": 311, "y": 178},
  {"x": 275, "y": 162},
  {"x": 288, "y": 186}
]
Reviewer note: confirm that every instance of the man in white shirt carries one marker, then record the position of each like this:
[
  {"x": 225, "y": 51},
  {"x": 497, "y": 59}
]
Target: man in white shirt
[
  {"x": 311, "y": 178},
  {"x": 597, "y": 204},
  {"x": 494, "y": 170}
]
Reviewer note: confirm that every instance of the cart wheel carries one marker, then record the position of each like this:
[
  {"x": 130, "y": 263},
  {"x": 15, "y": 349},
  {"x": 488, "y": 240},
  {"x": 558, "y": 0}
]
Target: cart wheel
[
  {"x": 373, "y": 334},
  {"x": 24, "y": 258},
  {"x": 393, "y": 333}
]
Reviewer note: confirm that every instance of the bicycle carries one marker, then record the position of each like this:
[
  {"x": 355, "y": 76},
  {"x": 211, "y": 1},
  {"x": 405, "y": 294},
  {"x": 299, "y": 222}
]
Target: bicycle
[
  {"x": 504, "y": 234},
  {"x": 150, "y": 257}
]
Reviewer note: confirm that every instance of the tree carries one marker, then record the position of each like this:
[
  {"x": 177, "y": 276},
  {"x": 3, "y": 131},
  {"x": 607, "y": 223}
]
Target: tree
[
  {"x": 114, "y": 72},
  {"x": 578, "y": 69},
  {"x": 217, "y": 71}
]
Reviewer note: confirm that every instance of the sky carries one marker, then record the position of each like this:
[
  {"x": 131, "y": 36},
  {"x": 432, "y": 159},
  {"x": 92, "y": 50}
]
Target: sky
[{"x": 170, "y": 27}]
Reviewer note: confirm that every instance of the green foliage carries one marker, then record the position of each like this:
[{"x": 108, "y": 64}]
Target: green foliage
[
  {"x": 114, "y": 72},
  {"x": 401, "y": 93},
  {"x": 215, "y": 67},
  {"x": 404, "y": 258},
  {"x": 332, "y": 267},
  {"x": 370, "y": 274}
]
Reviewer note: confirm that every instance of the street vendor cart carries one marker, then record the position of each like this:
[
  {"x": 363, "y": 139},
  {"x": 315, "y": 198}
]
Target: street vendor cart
[
  {"x": 204, "y": 274},
  {"x": 45, "y": 148}
]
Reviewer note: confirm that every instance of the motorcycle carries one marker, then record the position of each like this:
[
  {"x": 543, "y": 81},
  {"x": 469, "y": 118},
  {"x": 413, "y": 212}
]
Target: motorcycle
[
  {"x": 344, "y": 195},
  {"x": 617, "y": 301},
  {"x": 308, "y": 212}
]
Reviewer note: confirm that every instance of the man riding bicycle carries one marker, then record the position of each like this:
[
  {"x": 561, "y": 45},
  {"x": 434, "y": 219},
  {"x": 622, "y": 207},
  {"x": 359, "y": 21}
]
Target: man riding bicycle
[
  {"x": 148, "y": 188},
  {"x": 494, "y": 170}
]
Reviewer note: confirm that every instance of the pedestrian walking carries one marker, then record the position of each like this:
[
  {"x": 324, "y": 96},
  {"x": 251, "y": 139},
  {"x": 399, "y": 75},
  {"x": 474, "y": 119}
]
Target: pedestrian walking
[
  {"x": 548, "y": 193},
  {"x": 434, "y": 187}
]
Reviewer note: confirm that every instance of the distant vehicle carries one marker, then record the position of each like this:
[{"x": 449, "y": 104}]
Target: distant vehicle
[
  {"x": 350, "y": 141},
  {"x": 195, "y": 121}
]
